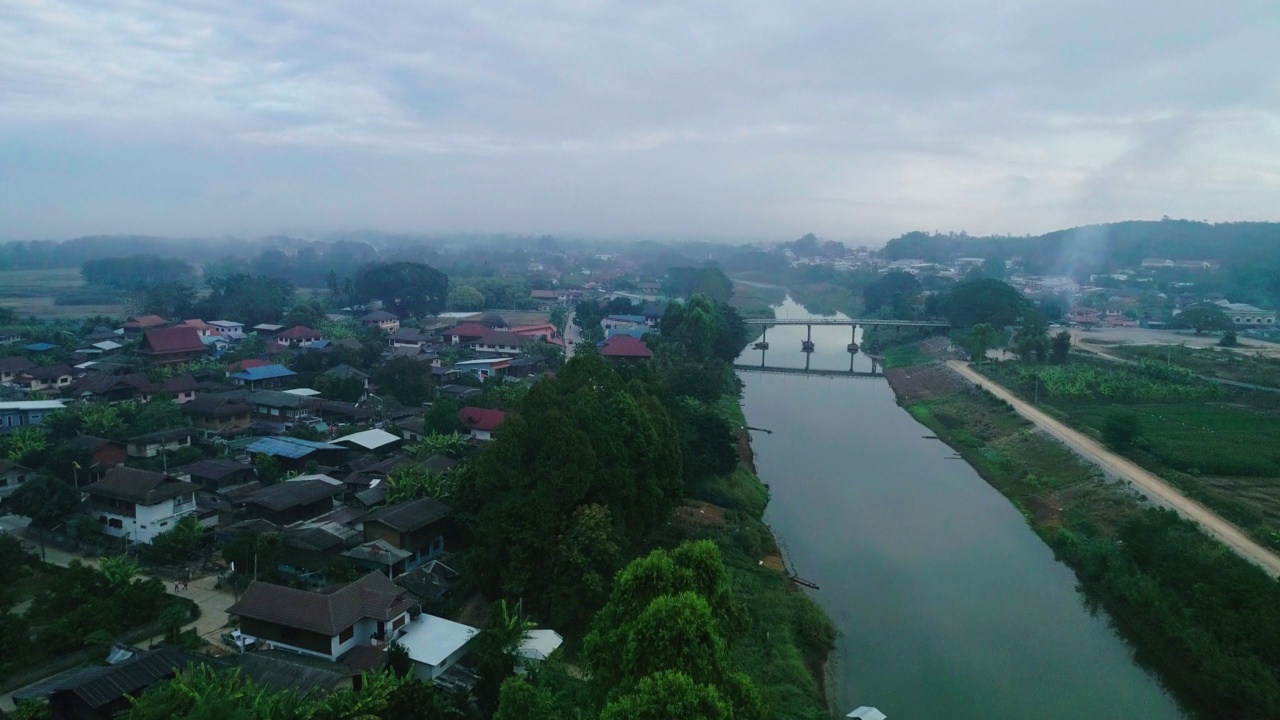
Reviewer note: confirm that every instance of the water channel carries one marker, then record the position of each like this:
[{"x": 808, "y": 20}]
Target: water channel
[{"x": 948, "y": 605}]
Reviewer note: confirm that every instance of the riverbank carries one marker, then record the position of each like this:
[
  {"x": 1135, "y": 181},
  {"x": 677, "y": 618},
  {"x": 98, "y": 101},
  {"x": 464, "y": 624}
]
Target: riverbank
[
  {"x": 790, "y": 638},
  {"x": 1199, "y": 616}
]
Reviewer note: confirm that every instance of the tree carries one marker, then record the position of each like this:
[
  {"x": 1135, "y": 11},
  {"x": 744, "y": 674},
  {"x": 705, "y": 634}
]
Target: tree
[
  {"x": 986, "y": 300},
  {"x": 26, "y": 443},
  {"x": 406, "y": 380},
  {"x": 1229, "y": 339},
  {"x": 1061, "y": 347},
  {"x": 45, "y": 500},
  {"x": 408, "y": 289},
  {"x": 1032, "y": 341},
  {"x": 982, "y": 337},
  {"x": 169, "y": 299},
  {"x": 161, "y": 413},
  {"x": 251, "y": 299},
  {"x": 451, "y": 445},
  {"x": 558, "y": 317},
  {"x": 1202, "y": 318},
  {"x": 521, "y": 700},
  {"x": 465, "y": 297},
  {"x": 119, "y": 570},
  {"x": 442, "y": 418},
  {"x": 176, "y": 545},
  {"x": 1121, "y": 429},
  {"x": 993, "y": 267},
  {"x": 669, "y": 695},
  {"x": 896, "y": 290},
  {"x": 411, "y": 481},
  {"x": 398, "y": 660},
  {"x": 310, "y": 314},
  {"x": 709, "y": 280},
  {"x": 102, "y": 421},
  {"x": 268, "y": 469},
  {"x": 495, "y": 651}
]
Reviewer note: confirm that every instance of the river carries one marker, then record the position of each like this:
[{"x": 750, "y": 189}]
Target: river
[{"x": 948, "y": 605}]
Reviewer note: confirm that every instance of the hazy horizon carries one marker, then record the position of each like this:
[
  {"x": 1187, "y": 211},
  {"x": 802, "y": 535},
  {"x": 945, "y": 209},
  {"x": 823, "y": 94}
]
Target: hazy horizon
[{"x": 724, "y": 121}]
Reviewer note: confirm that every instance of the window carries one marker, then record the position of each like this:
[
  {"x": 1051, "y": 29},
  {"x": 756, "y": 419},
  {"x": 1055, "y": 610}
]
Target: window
[{"x": 347, "y": 634}]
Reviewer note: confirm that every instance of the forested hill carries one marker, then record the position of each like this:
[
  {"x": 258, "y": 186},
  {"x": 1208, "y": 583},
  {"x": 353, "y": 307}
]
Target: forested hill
[{"x": 1110, "y": 246}]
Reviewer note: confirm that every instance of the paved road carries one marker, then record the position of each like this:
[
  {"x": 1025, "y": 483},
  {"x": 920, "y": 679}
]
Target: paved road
[
  {"x": 572, "y": 336},
  {"x": 1150, "y": 484}
]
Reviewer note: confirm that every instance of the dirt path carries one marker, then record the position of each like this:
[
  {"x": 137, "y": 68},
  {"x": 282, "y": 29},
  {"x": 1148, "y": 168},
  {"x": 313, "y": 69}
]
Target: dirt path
[{"x": 1150, "y": 484}]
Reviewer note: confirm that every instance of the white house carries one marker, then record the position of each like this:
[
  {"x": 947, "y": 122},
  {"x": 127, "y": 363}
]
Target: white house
[
  {"x": 536, "y": 647},
  {"x": 436, "y": 644},
  {"x": 325, "y": 624},
  {"x": 228, "y": 329},
  {"x": 1242, "y": 314},
  {"x": 12, "y": 475},
  {"x": 20, "y": 413},
  {"x": 139, "y": 504}
]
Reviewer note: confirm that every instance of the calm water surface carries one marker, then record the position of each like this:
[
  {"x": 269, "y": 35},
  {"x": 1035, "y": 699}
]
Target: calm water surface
[{"x": 948, "y": 605}]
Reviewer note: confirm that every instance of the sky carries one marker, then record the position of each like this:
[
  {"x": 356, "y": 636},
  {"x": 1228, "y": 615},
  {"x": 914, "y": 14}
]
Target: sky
[{"x": 739, "y": 120}]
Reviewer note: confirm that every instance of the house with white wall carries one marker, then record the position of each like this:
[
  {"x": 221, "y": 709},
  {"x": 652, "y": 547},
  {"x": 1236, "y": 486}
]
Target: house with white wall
[
  {"x": 139, "y": 504},
  {"x": 325, "y": 624}
]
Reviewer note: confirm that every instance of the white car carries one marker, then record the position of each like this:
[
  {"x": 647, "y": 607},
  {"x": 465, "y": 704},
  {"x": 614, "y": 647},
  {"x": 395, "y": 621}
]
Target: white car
[{"x": 239, "y": 640}]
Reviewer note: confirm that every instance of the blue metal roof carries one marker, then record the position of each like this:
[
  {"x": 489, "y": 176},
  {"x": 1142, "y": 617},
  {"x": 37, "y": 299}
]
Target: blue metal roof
[
  {"x": 265, "y": 372},
  {"x": 40, "y": 347},
  {"x": 289, "y": 447},
  {"x": 637, "y": 333},
  {"x": 627, "y": 318}
]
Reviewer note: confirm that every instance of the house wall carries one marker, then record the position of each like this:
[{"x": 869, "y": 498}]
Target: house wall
[
  {"x": 153, "y": 449},
  {"x": 292, "y": 639},
  {"x": 423, "y": 671},
  {"x": 378, "y": 531},
  {"x": 10, "y": 419},
  {"x": 147, "y": 521},
  {"x": 481, "y": 435},
  {"x": 12, "y": 480}
]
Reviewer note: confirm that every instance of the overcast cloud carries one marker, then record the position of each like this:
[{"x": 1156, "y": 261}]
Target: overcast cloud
[{"x": 744, "y": 119}]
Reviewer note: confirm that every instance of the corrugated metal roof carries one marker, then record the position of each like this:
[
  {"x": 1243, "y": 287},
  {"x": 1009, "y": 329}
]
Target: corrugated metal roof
[
  {"x": 288, "y": 446},
  {"x": 265, "y": 372}
]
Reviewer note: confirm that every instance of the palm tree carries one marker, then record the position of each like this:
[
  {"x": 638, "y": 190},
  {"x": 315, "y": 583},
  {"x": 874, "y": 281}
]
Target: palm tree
[{"x": 119, "y": 570}]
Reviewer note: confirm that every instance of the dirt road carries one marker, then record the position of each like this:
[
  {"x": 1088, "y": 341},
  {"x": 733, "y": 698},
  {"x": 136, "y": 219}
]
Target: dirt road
[{"x": 1148, "y": 483}]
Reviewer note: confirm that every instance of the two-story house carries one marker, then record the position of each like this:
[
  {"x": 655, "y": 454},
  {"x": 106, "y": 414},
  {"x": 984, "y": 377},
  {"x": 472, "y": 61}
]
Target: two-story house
[
  {"x": 417, "y": 528},
  {"x": 292, "y": 501},
  {"x": 381, "y": 319},
  {"x": 299, "y": 336},
  {"x": 327, "y": 624},
  {"x": 160, "y": 441},
  {"x": 22, "y": 413},
  {"x": 481, "y": 422},
  {"x": 503, "y": 342},
  {"x": 219, "y": 415},
  {"x": 228, "y": 329},
  {"x": 12, "y": 367},
  {"x": 171, "y": 346},
  {"x": 139, "y": 504}
]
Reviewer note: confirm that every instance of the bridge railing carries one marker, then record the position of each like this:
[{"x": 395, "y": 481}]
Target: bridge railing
[{"x": 850, "y": 321}]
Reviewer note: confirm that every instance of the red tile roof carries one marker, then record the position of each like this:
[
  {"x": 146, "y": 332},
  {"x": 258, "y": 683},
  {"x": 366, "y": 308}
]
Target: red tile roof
[
  {"x": 474, "y": 418},
  {"x": 246, "y": 364},
  {"x": 146, "y": 321},
  {"x": 469, "y": 329},
  {"x": 625, "y": 346},
  {"x": 172, "y": 340}
]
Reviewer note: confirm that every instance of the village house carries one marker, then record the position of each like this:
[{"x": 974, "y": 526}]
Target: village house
[
  {"x": 346, "y": 372},
  {"x": 138, "y": 325},
  {"x": 114, "y": 388},
  {"x": 622, "y": 322},
  {"x": 267, "y": 330},
  {"x": 12, "y": 475},
  {"x": 12, "y": 367},
  {"x": 203, "y": 328},
  {"x": 139, "y": 504},
  {"x": 169, "y": 346},
  {"x": 409, "y": 337},
  {"x": 294, "y": 453},
  {"x": 45, "y": 378},
  {"x": 381, "y": 319},
  {"x": 480, "y": 423},
  {"x": 502, "y": 342},
  {"x": 277, "y": 410},
  {"x": 625, "y": 348},
  {"x": 1243, "y": 314},
  {"x": 416, "y": 527},
  {"x": 214, "y": 475},
  {"x": 24, "y": 413},
  {"x": 160, "y": 441},
  {"x": 465, "y": 333},
  {"x": 484, "y": 368},
  {"x": 289, "y": 502},
  {"x": 228, "y": 329},
  {"x": 10, "y": 335},
  {"x": 219, "y": 415},
  {"x": 263, "y": 377},
  {"x": 103, "y": 692},
  {"x": 95, "y": 455},
  {"x": 328, "y": 623},
  {"x": 436, "y": 644},
  {"x": 532, "y": 333},
  {"x": 299, "y": 336}
]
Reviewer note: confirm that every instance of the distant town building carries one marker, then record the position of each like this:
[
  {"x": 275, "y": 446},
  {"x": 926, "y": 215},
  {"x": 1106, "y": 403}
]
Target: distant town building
[{"x": 1242, "y": 314}]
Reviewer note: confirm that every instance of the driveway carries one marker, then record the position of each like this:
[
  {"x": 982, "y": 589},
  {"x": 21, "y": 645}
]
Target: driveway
[{"x": 1147, "y": 482}]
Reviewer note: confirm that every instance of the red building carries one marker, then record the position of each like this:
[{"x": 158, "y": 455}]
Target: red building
[{"x": 170, "y": 346}]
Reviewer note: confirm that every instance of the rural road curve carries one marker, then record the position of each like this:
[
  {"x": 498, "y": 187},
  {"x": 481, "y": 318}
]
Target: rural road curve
[{"x": 1151, "y": 485}]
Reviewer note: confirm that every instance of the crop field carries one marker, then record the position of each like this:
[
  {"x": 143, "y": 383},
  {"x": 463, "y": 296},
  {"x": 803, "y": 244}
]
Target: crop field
[
  {"x": 1240, "y": 365},
  {"x": 36, "y": 292}
]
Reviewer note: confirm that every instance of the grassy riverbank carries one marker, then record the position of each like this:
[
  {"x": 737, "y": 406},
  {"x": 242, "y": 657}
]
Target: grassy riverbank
[
  {"x": 1202, "y": 618},
  {"x": 790, "y": 638}
]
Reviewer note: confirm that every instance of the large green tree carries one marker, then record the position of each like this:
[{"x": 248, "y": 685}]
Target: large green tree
[
  {"x": 407, "y": 289},
  {"x": 583, "y": 438},
  {"x": 895, "y": 290},
  {"x": 984, "y": 300}
]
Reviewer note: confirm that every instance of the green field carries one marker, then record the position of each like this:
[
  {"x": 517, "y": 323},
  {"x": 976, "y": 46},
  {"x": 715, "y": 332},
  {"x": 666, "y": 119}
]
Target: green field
[
  {"x": 1237, "y": 364},
  {"x": 34, "y": 293},
  {"x": 1215, "y": 444}
]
